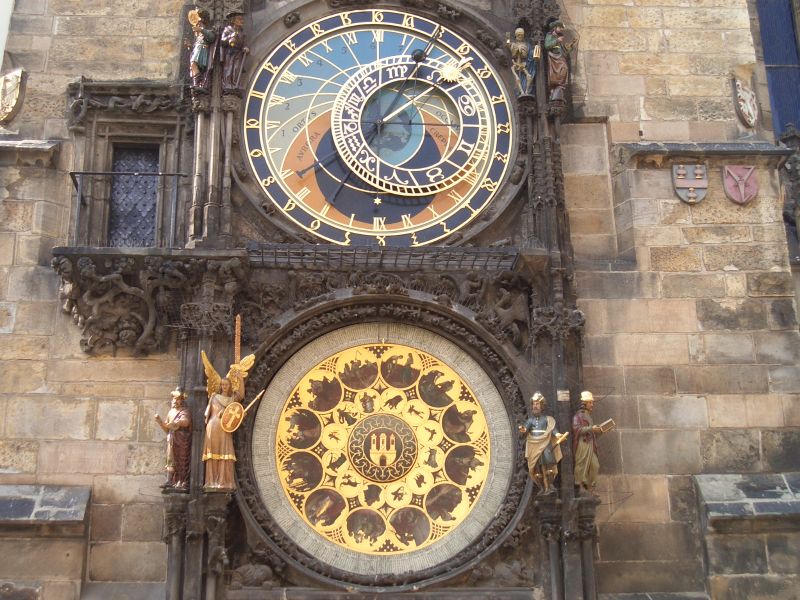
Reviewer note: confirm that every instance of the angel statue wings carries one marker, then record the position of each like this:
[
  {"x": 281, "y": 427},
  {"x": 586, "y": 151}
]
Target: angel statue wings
[{"x": 218, "y": 451}]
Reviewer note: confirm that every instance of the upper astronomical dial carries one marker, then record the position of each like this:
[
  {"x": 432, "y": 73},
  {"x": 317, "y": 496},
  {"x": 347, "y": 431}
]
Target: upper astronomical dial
[{"x": 378, "y": 127}]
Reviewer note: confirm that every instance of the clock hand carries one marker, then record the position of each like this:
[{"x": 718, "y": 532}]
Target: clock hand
[
  {"x": 322, "y": 162},
  {"x": 405, "y": 106},
  {"x": 350, "y": 171}
]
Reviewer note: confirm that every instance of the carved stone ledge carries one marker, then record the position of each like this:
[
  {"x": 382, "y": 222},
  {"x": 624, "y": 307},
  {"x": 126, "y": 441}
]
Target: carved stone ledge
[{"x": 128, "y": 299}]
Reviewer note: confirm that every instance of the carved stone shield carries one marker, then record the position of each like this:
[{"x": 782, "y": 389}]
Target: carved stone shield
[
  {"x": 11, "y": 87},
  {"x": 746, "y": 103},
  {"x": 690, "y": 182},
  {"x": 232, "y": 417},
  {"x": 740, "y": 183}
]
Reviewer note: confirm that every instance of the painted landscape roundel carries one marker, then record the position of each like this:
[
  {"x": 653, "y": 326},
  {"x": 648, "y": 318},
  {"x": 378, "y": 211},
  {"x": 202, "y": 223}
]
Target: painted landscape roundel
[{"x": 373, "y": 450}]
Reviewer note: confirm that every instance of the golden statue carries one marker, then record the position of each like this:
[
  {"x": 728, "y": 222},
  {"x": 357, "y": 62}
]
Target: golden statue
[{"x": 218, "y": 453}]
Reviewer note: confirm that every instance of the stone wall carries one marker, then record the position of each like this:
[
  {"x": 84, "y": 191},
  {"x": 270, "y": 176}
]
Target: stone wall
[
  {"x": 66, "y": 418},
  {"x": 660, "y": 69}
]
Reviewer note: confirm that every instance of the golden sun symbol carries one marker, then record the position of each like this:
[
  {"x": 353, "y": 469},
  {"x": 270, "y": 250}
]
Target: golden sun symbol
[{"x": 451, "y": 72}]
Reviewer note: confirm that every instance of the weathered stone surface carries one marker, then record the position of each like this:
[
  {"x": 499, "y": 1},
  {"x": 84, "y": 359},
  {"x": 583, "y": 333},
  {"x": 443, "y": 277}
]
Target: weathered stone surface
[
  {"x": 651, "y": 349},
  {"x": 123, "y": 489},
  {"x": 609, "y": 453},
  {"x": 129, "y": 561},
  {"x": 633, "y": 498},
  {"x": 50, "y": 418},
  {"x": 783, "y": 552},
  {"x": 587, "y": 191},
  {"x": 731, "y": 314},
  {"x": 23, "y": 558},
  {"x": 661, "y": 451},
  {"x": 116, "y": 420},
  {"x": 649, "y": 380},
  {"x": 762, "y": 257},
  {"x": 781, "y": 314},
  {"x": 603, "y": 378},
  {"x": 103, "y": 369},
  {"x": 781, "y": 447},
  {"x": 682, "y": 499},
  {"x": 616, "y": 285},
  {"x": 682, "y": 412},
  {"x": 770, "y": 284},
  {"x": 623, "y": 409},
  {"x": 735, "y": 554},
  {"x": 8, "y": 314},
  {"x": 18, "y": 457},
  {"x": 721, "y": 348},
  {"x": 736, "y": 285},
  {"x": 784, "y": 379},
  {"x": 778, "y": 347},
  {"x": 145, "y": 459},
  {"x": 716, "y": 234},
  {"x": 142, "y": 522},
  {"x": 730, "y": 451},
  {"x": 774, "y": 587},
  {"x": 717, "y": 209},
  {"x": 664, "y": 576},
  {"x": 106, "y": 523},
  {"x": 82, "y": 457},
  {"x": 719, "y": 379},
  {"x": 675, "y": 258},
  {"x": 693, "y": 286},
  {"x": 32, "y": 283},
  {"x": 35, "y": 318},
  {"x": 646, "y": 541}
]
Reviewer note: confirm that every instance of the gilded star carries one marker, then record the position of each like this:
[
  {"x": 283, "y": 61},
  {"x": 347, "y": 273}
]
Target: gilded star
[{"x": 377, "y": 201}]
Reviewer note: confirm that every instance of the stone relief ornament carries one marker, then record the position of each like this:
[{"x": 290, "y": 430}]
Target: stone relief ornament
[
  {"x": 740, "y": 183},
  {"x": 584, "y": 443},
  {"x": 746, "y": 103},
  {"x": 12, "y": 87},
  {"x": 690, "y": 182}
]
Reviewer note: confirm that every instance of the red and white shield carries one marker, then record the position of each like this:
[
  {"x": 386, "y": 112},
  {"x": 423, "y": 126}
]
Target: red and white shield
[{"x": 740, "y": 183}]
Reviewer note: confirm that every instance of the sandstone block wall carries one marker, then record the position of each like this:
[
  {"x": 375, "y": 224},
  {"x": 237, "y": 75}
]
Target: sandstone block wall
[{"x": 66, "y": 418}]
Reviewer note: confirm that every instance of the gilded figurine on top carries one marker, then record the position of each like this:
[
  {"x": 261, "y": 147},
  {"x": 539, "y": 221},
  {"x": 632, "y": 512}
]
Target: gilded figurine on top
[
  {"x": 178, "y": 427},
  {"x": 542, "y": 446},
  {"x": 584, "y": 443},
  {"x": 524, "y": 56},
  {"x": 202, "y": 55},
  {"x": 232, "y": 51}
]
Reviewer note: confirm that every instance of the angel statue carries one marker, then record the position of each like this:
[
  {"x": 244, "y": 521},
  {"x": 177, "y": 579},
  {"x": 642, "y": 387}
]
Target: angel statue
[{"x": 218, "y": 451}]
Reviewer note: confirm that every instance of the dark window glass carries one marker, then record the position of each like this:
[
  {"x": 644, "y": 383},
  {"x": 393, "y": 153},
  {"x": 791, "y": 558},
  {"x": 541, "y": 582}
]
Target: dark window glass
[
  {"x": 132, "y": 215},
  {"x": 779, "y": 40}
]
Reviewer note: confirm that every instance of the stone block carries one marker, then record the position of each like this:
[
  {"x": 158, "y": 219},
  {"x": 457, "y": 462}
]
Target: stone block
[
  {"x": 669, "y": 109},
  {"x": 124, "y": 489},
  {"x": 579, "y": 159},
  {"x": 25, "y": 347},
  {"x": 623, "y": 409},
  {"x": 609, "y": 454},
  {"x": 145, "y": 459},
  {"x": 674, "y": 212},
  {"x": 731, "y": 314},
  {"x": 654, "y": 576},
  {"x": 22, "y": 376},
  {"x": 780, "y": 448},
  {"x": 611, "y": 285},
  {"x": 586, "y": 191},
  {"x": 35, "y": 317},
  {"x": 629, "y": 499},
  {"x": 116, "y": 420},
  {"x": 682, "y": 499},
  {"x": 106, "y": 522},
  {"x": 8, "y": 315},
  {"x": 158, "y": 368},
  {"x": 671, "y": 131},
  {"x": 675, "y": 258},
  {"x": 15, "y": 216},
  {"x": 658, "y": 236},
  {"x": 32, "y": 284},
  {"x": 584, "y": 134},
  {"x": 721, "y": 348},
  {"x": 754, "y": 587},
  {"x": 730, "y": 451},
  {"x": 682, "y": 412},
  {"x": 102, "y": 390},
  {"x": 761, "y": 257},
  {"x": 50, "y": 418},
  {"x": 649, "y": 380},
  {"x": 594, "y": 247},
  {"x": 128, "y": 561},
  {"x": 662, "y": 451},
  {"x": 61, "y": 590},
  {"x": 48, "y": 219},
  {"x": 718, "y": 209},
  {"x": 770, "y": 284},
  {"x": 18, "y": 457},
  {"x": 764, "y": 410},
  {"x": 82, "y": 457},
  {"x": 607, "y": 378},
  {"x": 778, "y": 347},
  {"x": 29, "y": 7},
  {"x": 716, "y": 234},
  {"x": 7, "y": 241},
  {"x": 31, "y": 559},
  {"x": 784, "y": 380},
  {"x": 697, "y": 85},
  {"x": 719, "y": 379},
  {"x": 791, "y": 410},
  {"x": 678, "y": 285},
  {"x": 606, "y": 16},
  {"x": 727, "y": 410},
  {"x": 147, "y": 429},
  {"x": 646, "y": 541},
  {"x": 617, "y": 85},
  {"x": 600, "y": 349},
  {"x": 651, "y": 349},
  {"x": 608, "y": 39},
  {"x": 783, "y": 552},
  {"x": 34, "y": 250},
  {"x": 142, "y": 522},
  {"x": 781, "y": 314},
  {"x": 645, "y": 211},
  {"x": 654, "y": 64},
  {"x": 591, "y": 222},
  {"x": 736, "y": 554},
  {"x": 736, "y": 285},
  {"x": 769, "y": 233}
]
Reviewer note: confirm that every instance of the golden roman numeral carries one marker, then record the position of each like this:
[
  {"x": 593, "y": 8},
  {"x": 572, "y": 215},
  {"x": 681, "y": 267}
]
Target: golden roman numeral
[
  {"x": 351, "y": 38},
  {"x": 304, "y": 60},
  {"x": 504, "y": 128},
  {"x": 254, "y": 124},
  {"x": 288, "y": 77},
  {"x": 270, "y": 68},
  {"x": 324, "y": 210},
  {"x": 377, "y": 35},
  {"x": 433, "y": 211},
  {"x": 379, "y": 223},
  {"x": 407, "y": 221},
  {"x": 303, "y": 193},
  {"x": 275, "y": 100},
  {"x": 259, "y": 95}
]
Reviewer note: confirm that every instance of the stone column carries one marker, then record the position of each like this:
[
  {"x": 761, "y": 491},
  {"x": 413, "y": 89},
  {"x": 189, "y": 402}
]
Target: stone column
[
  {"x": 216, "y": 513},
  {"x": 174, "y": 536}
]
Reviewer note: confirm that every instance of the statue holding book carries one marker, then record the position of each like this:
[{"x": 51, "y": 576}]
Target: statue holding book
[{"x": 584, "y": 443}]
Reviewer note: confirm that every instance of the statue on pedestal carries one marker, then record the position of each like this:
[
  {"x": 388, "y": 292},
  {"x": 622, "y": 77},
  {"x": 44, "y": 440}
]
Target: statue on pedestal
[
  {"x": 558, "y": 43},
  {"x": 178, "y": 427},
  {"x": 233, "y": 51},
  {"x": 584, "y": 443},
  {"x": 202, "y": 50},
  {"x": 524, "y": 55},
  {"x": 542, "y": 448}
]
